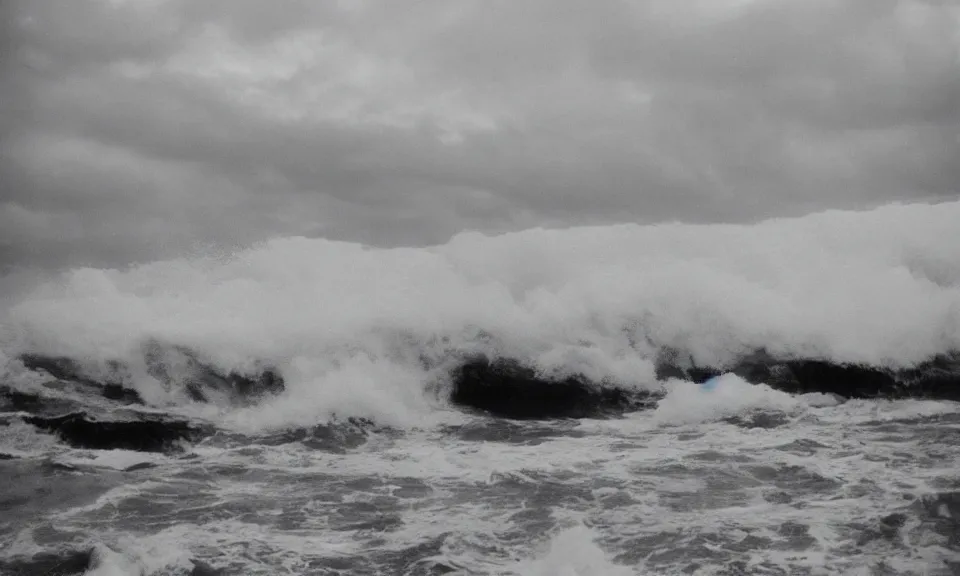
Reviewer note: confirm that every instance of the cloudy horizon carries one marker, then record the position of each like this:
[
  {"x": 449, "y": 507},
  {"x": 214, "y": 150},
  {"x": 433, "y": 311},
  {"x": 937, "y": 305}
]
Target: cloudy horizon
[{"x": 145, "y": 129}]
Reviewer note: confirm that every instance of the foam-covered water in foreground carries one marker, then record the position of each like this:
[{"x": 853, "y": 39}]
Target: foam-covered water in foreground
[
  {"x": 735, "y": 478},
  {"x": 859, "y": 488}
]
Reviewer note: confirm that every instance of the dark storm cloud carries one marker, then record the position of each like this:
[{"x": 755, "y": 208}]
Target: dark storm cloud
[{"x": 149, "y": 128}]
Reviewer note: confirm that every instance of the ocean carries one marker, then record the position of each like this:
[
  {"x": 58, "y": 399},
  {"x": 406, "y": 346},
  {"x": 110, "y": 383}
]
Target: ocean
[{"x": 777, "y": 398}]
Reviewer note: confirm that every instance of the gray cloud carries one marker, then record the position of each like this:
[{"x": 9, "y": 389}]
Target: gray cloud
[{"x": 151, "y": 128}]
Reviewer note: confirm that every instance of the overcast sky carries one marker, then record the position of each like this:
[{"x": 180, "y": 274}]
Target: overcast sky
[{"x": 138, "y": 129}]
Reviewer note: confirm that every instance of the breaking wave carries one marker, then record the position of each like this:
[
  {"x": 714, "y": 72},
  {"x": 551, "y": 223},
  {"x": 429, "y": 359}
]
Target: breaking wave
[{"x": 356, "y": 331}]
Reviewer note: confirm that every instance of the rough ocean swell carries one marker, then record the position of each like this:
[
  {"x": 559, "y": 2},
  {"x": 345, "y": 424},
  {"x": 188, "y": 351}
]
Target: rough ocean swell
[{"x": 779, "y": 398}]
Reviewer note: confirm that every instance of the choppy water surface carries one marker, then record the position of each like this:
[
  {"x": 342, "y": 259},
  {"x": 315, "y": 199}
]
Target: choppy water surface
[
  {"x": 865, "y": 487},
  {"x": 739, "y": 480}
]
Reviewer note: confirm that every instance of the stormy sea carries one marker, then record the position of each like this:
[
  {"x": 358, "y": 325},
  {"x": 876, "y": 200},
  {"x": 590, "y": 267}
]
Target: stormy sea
[{"x": 779, "y": 398}]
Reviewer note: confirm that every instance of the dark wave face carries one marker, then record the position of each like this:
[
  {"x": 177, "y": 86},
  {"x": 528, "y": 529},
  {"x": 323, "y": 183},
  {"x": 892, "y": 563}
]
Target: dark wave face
[{"x": 778, "y": 398}]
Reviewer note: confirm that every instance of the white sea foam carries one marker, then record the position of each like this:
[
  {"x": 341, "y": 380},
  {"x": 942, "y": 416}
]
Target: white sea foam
[
  {"x": 348, "y": 325},
  {"x": 573, "y": 552},
  {"x": 22, "y": 440},
  {"x": 108, "y": 459},
  {"x": 687, "y": 402},
  {"x": 138, "y": 557}
]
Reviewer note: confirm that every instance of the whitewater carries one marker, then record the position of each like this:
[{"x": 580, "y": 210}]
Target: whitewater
[{"x": 302, "y": 416}]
